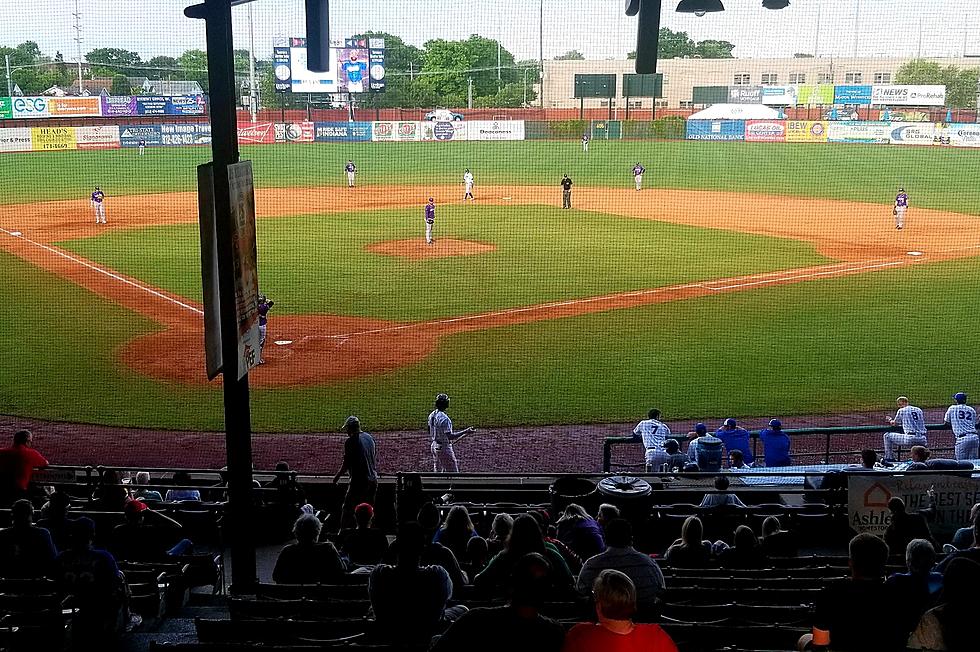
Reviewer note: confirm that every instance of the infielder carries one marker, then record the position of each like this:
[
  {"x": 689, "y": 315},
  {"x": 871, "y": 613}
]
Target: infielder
[
  {"x": 585, "y": 142},
  {"x": 913, "y": 424},
  {"x": 654, "y": 434},
  {"x": 351, "y": 170},
  {"x": 98, "y": 205},
  {"x": 963, "y": 419},
  {"x": 468, "y": 185},
  {"x": 355, "y": 70},
  {"x": 901, "y": 207},
  {"x": 142, "y": 144},
  {"x": 265, "y": 305},
  {"x": 638, "y": 171},
  {"x": 430, "y": 219},
  {"x": 566, "y": 192},
  {"x": 441, "y": 437}
]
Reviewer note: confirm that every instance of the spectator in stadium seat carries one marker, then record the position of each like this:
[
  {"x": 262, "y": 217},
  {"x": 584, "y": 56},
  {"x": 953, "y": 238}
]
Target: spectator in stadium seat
[
  {"x": 736, "y": 461},
  {"x": 148, "y": 535},
  {"x": 735, "y": 439},
  {"x": 705, "y": 449},
  {"x": 606, "y": 513},
  {"x": 360, "y": 463},
  {"x": 433, "y": 553},
  {"x": 477, "y": 555},
  {"x": 777, "y": 542},
  {"x": 145, "y": 493},
  {"x": 690, "y": 551},
  {"x": 288, "y": 495},
  {"x": 182, "y": 479},
  {"x": 951, "y": 625},
  {"x": 921, "y": 461},
  {"x": 364, "y": 545},
  {"x": 306, "y": 561},
  {"x": 524, "y": 538},
  {"x": 917, "y": 590},
  {"x": 905, "y": 526},
  {"x": 17, "y": 465},
  {"x": 775, "y": 444},
  {"x": 56, "y": 520},
  {"x": 524, "y": 628},
  {"x": 580, "y": 532},
  {"x": 721, "y": 496},
  {"x": 857, "y": 614},
  {"x": 550, "y": 532},
  {"x": 654, "y": 434},
  {"x": 963, "y": 538},
  {"x": 869, "y": 459},
  {"x": 456, "y": 531},
  {"x": 25, "y": 549},
  {"x": 746, "y": 554},
  {"x": 622, "y": 556},
  {"x": 408, "y": 599},
  {"x": 615, "y": 604},
  {"x": 675, "y": 458},
  {"x": 499, "y": 531},
  {"x": 111, "y": 494},
  {"x": 972, "y": 553}
]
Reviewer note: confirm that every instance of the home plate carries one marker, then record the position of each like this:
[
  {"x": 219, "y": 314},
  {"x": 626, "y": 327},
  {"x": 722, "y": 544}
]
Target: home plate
[
  {"x": 16, "y": 233},
  {"x": 914, "y": 253},
  {"x": 282, "y": 342}
]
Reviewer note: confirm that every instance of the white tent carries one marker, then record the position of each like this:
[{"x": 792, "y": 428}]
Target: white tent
[{"x": 737, "y": 112}]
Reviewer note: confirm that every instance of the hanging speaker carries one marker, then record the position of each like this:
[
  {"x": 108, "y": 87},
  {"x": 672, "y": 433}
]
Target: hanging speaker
[{"x": 318, "y": 35}]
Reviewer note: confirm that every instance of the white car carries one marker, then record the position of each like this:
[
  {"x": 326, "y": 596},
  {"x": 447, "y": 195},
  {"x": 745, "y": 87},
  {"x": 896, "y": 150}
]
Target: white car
[{"x": 443, "y": 115}]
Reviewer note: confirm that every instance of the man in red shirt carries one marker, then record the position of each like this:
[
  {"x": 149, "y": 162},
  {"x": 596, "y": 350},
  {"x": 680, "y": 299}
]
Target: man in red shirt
[{"x": 17, "y": 465}]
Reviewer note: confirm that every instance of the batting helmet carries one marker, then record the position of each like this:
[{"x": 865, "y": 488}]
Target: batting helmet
[
  {"x": 442, "y": 401},
  {"x": 959, "y": 397},
  {"x": 775, "y": 424}
]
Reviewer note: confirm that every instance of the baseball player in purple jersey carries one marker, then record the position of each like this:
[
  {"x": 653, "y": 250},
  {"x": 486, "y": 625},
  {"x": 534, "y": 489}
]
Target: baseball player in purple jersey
[
  {"x": 430, "y": 219},
  {"x": 265, "y": 305},
  {"x": 638, "y": 171},
  {"x": 901, "y": 207},
  {"x": 98, "y": 205},
  {"x": 351, "y": 170}
]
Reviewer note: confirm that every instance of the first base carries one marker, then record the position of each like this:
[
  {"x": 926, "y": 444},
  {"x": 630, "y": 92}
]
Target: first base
[{"x": 282, "y": 342}]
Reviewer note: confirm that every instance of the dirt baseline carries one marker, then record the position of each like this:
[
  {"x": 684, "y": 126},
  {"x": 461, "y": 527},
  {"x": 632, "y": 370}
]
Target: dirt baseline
[{"x": 325, "y": 348}]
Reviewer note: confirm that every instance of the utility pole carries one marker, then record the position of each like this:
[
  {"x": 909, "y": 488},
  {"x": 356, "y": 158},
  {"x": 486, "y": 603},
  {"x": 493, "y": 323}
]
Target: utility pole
[
  {"x": 10, "y": 88},
  {"x": 541, "y": 52},
  {"x": 525, "y": 87},
  {"x": 816, "y": 36},
  {"x": 411, "y": 70},
  {"x": 918, "y": 54},
  {"x": 78, "y": 45},
  {"x": 498, "y": 65},
  {"x": 253, "y": 93},
  {"x": 469, "y": 94},
  {"x": 857, "y": 16}
]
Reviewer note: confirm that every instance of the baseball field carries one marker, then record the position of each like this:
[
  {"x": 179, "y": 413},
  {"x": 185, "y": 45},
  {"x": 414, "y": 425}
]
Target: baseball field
[{"x": 744, "y": 279}]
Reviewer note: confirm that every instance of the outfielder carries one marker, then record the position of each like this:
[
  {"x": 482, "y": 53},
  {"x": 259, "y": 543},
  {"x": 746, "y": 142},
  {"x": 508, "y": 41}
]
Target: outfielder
[
  {"x": 585, "y": 142},
  {"x": 430, "y": 219},
  {"x": 441, "y": 437},
  {"x": 351, "y": 170},
  {"x": 638, "y": 171},
  {"x": 901, "y": 207},
  {"x": 654, "y": 434},
  {"x": 142, "y": 144},
  {"x": 963, "y": 419},
  {"x": 265, "y": 305},
  {"x": 913, "y": 424},
  {"x": 468, "y": 185},
  {"x": 98, "y": 205}
]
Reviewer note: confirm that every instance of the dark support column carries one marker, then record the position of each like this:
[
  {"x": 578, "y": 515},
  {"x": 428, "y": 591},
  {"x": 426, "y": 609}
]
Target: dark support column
[
  {"x": 238, "y": 426},
  {"x": 581, "y": 108}
]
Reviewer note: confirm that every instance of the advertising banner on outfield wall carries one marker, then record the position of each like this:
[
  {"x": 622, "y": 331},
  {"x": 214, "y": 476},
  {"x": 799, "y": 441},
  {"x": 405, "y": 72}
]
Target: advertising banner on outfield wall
[
  {"x": 495, "y": 130},
  {"x": 6, "y": 108},
  {"x": 716, "y": 129},
  {"x": 806, "y": 131},
  {"x": 185, "y": 105},
  {"x": 780, "y": 95},
  {"x": 188, "y": 134},
  {"x": 765, "y": 131},
  {"x": 332, "y": 132},
  {"x": 113, "y": 105},
  {"x": 30, "y": 107},
  {"x": 395, "y": 131},
  {"x": 852, "y": 94},
  {"x": 816, "y": 94},
  {"x": 899, "y": 95},
  {"x": 859, "y": 132},
  {"x": 745, "y": 94},
  {"x": 130, "y": 136},
  {"x": 253, "y": 134},
  {"x": 294, "y": 132},
  {"x": 912, "y": 133},
  {"x": 868, "y": 496},
  {"x": 64, "y": 107},
  {"x": 444, "y": 131},
  {"x": 16, "y": 139},
  {"x": 52, "y": 138},
  {"x": 101, "y": 137},
  {"x": 964, "y": 135}
]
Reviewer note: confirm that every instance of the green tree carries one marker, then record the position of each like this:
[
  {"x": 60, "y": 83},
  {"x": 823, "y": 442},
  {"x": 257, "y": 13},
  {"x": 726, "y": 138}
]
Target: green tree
[
  {"x": 120, "y": 85},
  {"x": 161, "y": 67},
  {"x": 960, "y": 83},
  {"x": 712, "y": 49},
  {"x": 194, "y": 67},
  {"x": 448, "y": 65},
  {"x": 114, "y": 61},
  {"x": 510, "y": 96},
  {"x": 571, "y": 55},
  {"x": 673, "y": 45},
  {"x": 32, "y": 79},
  {"x": 403, "y": 88}
]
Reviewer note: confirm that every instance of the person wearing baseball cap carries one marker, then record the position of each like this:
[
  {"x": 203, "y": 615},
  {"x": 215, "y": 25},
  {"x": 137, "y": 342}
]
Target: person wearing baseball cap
[
  {"x": 735, "y": 438},
  {"x": 775, "y": 444},
  {"x": 963, "y": 420},
  {"x": 361, "y": 464},
  {"x": 705, "y": 450},
  {"x": 442, "y": 436},
  {"x": 364, "y": 545},
  {"x": 147, "y": 535}
]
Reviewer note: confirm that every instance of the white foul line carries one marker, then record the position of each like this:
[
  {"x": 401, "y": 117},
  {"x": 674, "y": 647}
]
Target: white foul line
[
  {"x": 808, "y": 275},
  {"x": 106, "y": 272}
]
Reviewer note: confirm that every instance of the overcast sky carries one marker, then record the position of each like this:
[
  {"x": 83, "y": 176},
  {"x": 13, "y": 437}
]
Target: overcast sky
[{"x": 598, "y": 28}]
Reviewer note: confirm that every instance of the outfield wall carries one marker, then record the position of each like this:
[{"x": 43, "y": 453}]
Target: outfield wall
[{"x": 824, "y": 131}]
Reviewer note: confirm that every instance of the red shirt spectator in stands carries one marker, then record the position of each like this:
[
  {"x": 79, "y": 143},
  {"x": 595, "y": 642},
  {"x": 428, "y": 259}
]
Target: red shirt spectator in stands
[
  {"x": 615, "y": 604},
  {"x": 17, "y": 465}
]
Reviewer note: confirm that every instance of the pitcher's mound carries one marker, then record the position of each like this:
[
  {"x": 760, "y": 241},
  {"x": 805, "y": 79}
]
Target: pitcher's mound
[{"x": 416, "y": 249}]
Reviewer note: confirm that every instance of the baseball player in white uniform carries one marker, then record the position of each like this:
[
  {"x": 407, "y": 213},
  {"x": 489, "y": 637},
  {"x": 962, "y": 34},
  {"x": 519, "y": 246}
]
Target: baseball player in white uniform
[
  {"x": 468, "y": 185},
  {"x": 351, "y": 170},
  {"x": 654, "y": 433},
  {"x": 913, "y": 424},
  {"x": 441, "y": 437},
  {"x": 585, "y": 142},
  {"x": 963, "y": 419}
]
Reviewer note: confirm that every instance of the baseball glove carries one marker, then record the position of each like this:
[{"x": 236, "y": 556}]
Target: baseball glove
[{"x": 894, "y": 211}]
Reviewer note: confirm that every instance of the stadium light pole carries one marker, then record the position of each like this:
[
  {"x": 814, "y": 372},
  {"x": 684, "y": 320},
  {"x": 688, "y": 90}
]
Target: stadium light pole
[
  {"x": 252, "y": 90},
  {"x": 10, "y": 88},
  {"x": 541, "y": 52}
]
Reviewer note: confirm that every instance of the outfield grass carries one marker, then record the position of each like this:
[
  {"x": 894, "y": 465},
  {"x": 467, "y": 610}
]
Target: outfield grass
[
  {"x": 935, "y": 178},
  {"x": 317, "y": 265},
  {"x": 823, "y": 346}
]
